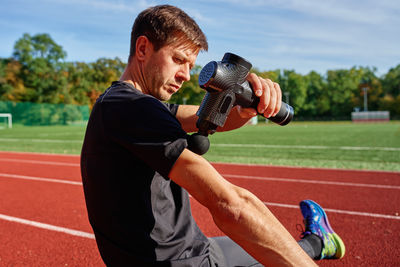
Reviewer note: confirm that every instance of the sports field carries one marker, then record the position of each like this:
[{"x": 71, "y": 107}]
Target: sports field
[
  {"x": 345, "y": 145},
  {"x": 43, "y": 218}
]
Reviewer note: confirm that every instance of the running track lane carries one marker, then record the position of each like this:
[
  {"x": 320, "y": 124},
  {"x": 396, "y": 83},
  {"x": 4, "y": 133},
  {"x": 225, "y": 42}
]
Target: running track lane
[{"x": 369, "y": 239}]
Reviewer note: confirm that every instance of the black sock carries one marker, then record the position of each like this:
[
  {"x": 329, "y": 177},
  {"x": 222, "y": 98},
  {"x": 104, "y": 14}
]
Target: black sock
[{"x": 312, "y": 245}]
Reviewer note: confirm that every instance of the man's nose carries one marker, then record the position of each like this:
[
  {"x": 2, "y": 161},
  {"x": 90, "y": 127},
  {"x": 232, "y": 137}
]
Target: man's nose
[{"x": 184, "y": 72}]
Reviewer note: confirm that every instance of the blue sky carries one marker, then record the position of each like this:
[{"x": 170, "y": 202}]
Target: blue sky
[{"x": 301, "y": 35}]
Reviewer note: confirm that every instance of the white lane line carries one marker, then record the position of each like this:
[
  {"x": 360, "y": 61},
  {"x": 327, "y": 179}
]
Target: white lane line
[
  {"x": 40, "y": 154},
  {"x": 41, "y": 179},
  {"x": 39, "y": 140},
  {"x": 380, "y": 172},
  {"x": 357, "y": 148},
  {"x": 348, "y": 212},
  {"x": 41, "y": 162},
  {"x": 380, "y": 186},
  {"x": 47, "y": 226}
]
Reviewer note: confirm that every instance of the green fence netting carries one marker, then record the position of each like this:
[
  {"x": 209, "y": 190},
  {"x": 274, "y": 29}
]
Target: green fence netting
[{"x": 27, "y": 113}]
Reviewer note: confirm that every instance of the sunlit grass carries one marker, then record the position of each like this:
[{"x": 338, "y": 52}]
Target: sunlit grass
[{"x": 373, "y": 146}]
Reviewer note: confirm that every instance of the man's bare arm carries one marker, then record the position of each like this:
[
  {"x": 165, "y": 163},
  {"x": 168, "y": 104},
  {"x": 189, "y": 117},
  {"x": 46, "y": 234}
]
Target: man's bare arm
[
  {"x": 238, "y": 213},
  {"x": 186, "y": 115}
]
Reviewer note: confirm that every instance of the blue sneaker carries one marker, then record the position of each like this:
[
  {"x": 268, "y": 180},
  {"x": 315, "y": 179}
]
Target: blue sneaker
[{"x": 316, "y": 222}]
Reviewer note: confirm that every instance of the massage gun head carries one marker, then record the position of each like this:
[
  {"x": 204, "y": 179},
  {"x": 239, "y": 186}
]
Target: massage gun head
[
  {"x": 223, "y": 75},
  {"x": 223, "y": 82}
]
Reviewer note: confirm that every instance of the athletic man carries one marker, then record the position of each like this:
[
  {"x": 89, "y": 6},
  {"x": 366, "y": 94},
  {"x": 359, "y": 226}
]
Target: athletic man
[{"x": 138, "y": 173}]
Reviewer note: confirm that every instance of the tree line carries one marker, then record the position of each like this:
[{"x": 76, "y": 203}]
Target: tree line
[{"x": 38, "y": 72}]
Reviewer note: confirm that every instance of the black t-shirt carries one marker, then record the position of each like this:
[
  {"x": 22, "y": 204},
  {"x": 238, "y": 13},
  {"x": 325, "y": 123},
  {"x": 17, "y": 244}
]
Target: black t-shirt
[{"x": 139, "y": 216}]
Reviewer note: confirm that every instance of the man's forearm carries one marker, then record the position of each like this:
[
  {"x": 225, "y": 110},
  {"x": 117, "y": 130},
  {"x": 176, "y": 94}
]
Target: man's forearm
[
  {"x": 258, "y": 231},
  {"x": 238, "y": 213}
]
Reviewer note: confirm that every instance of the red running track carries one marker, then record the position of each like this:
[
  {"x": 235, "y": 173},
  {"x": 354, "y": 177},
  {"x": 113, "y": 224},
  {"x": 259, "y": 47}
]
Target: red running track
[{"x": 43, "y": 220}]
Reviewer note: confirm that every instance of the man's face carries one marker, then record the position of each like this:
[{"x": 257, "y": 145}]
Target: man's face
[{"x": 167, "y": 69}]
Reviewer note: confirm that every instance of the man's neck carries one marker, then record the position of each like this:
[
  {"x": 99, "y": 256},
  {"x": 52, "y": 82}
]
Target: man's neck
[
  {"x": 128, "y": 81},
  {"x": 132, "y": 75}
]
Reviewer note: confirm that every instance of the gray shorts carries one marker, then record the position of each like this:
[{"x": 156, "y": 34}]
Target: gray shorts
[{"x": 226, "y": 253}]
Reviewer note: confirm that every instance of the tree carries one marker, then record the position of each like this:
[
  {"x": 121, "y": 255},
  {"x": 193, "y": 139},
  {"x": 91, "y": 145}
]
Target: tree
[
  {"x": 342, "y": 87},
  {"x": 273, "y": 75},
  {"x": 391, "y": 81},
  {"x": 317, "y": 102},
  {"x": 86, "y": 81},
  {"x": 11, "y": 86},
  {"x": 80, "y": 84},
  {"x": 28, "y": 48},
  {"x": 391, "y": 91},
  {"x": 296, "y": 85},
  {"x": 37, "y": 72},
  {"x": 42, "y": 65}
]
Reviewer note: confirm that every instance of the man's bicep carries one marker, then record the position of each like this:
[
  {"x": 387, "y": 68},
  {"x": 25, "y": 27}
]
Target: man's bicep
[
  {"x": 186, "y": 115},
  {"x": 200, "y": 179}
]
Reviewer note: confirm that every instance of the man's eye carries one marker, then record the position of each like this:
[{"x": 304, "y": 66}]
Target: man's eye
[{"x": 178, "y": 60}]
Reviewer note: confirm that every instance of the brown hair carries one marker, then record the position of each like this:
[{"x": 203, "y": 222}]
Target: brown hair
[{"x": 165, "y": 24}]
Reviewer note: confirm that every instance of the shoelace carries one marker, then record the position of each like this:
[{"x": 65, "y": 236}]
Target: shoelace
[{"x": 303, "y": 231}]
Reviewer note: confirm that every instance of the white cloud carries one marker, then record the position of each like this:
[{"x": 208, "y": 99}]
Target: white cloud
[
  {"x": 114, "y": 5},
  {"x": 297, "y": 34},
  {"x": 362, "y": 11}
]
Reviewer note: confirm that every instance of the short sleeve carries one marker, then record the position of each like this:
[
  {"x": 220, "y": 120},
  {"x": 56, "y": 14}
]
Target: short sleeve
[
  {"x": 147, "y": 128},
  {"x": 172, "y": 107}
]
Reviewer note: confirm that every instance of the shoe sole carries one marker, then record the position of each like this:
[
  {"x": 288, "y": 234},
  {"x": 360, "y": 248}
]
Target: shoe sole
[{"x": 340, "y": 247}]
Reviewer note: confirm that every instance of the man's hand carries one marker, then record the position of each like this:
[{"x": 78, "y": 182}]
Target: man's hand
[{"x": 270, "y": 95}]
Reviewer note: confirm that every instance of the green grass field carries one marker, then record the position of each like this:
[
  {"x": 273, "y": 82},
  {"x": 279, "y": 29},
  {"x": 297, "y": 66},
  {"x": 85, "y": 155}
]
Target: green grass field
[{"x": 373, "y": 146}]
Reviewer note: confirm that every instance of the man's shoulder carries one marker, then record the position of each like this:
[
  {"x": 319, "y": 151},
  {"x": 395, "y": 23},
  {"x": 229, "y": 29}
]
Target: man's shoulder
[{"x": 121, "y": 91}]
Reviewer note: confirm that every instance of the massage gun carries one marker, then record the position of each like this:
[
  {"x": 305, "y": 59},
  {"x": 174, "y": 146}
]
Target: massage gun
[{"x": 226, "y": 86}]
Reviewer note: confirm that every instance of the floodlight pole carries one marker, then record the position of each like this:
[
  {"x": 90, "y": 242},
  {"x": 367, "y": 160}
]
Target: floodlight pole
[{"x": 365, "y": 89}]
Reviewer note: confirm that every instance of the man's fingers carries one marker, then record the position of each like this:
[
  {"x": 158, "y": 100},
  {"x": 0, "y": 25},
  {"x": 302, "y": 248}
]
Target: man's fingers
[
  {"x": 278, "y": 99},
  {"x": 256, "y": 83},
  {"x": 271, "y": 103},
  {"x": 270, "y": 95},
  {"x": 265, "y": 97}
]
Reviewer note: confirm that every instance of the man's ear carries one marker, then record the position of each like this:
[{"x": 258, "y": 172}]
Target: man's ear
[{"x": 143, "y": 48}]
